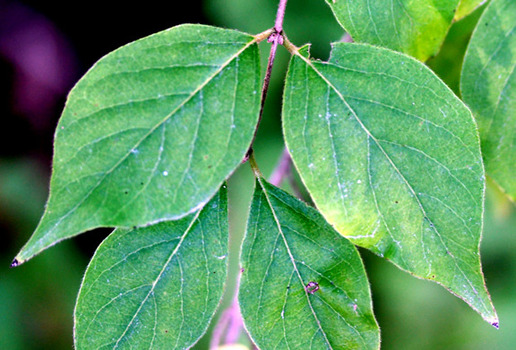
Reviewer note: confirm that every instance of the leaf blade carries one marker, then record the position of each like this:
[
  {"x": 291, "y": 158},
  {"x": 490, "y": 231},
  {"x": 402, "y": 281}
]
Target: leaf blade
[
  {"x": 189, "y": 96},
  {"x": 487, "y": 86},
  {"x": 298, "y": 271},
  {"x": 466, "y": 7},
  {"x": 417, "y": 28},
  {"x": 391, "y": 159},
  {"x": 137, "y": 292}
]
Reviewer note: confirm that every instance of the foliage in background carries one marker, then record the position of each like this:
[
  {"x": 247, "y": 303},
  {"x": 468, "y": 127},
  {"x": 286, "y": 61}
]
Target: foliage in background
[{"x": 408, "y": 320}]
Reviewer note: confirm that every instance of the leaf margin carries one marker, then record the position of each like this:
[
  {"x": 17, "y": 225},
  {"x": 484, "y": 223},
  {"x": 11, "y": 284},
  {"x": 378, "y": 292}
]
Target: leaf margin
[
  {"x": 303, "y": 53},
  {"x": 222, "y": 198}
]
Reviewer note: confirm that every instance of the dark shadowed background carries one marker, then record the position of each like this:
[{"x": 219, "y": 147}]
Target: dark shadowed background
[{"x": 46, "y": 46}]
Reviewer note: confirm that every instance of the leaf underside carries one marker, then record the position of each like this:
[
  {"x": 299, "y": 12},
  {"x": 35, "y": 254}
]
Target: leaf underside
[
  {"x": 303, "y": 285},
  {"x": 488, "y": 86},
  {"x": 151, "y": 132},
  {"x": 417, "y": 28},
  {"x": 392, "y": 160},
  {"x": 155, "y": 287}
]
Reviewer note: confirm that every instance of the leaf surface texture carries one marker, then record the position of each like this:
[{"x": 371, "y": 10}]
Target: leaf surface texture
[
  {"x": 466, "y": 7},
  {"x": 415, "y": 27},
  {"x": 151, "y": 132},
  {"x": 303, "y": 285},
  {"x": 155, "y": 287},
  {"x": 391, "y": 158},
  {"x": 488, "y": 85}
]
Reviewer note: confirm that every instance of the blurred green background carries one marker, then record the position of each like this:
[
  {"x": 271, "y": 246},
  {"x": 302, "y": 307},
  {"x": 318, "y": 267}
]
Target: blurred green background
[{"x": 46, "y": 46}]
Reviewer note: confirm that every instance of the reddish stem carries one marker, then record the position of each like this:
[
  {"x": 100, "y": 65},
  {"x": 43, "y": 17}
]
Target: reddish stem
[
  {"x": 230, "y": 322},
  {"x": 278, "y": 25},
  {"x": 276, "y": 38},
  {"x": 282, "y": 170}
]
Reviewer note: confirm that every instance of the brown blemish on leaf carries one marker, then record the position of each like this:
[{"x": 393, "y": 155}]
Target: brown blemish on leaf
[{"x": 312, "y": 287}]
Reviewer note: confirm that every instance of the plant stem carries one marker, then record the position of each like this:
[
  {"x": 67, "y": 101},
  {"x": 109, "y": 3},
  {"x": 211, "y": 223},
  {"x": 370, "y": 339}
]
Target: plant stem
[
  {"x": 231, "y": 322},
  {"x": 254, "y": 165},
  {"x": 290, "y": 47},
  {"x": 278, "y": 25},
  {"x": 282, "y": 170},
  {"x": 276, "y": 38},
  {"x": 263, "y": 35},
  {"x": 346, "y": 38}
]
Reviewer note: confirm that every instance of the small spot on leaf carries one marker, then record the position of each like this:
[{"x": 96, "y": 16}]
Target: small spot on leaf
[{"x": 312, "y": 287}]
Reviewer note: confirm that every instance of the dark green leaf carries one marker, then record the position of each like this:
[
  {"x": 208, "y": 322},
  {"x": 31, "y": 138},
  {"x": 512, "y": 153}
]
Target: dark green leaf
[
  {"x": 392, "y": 160},
  {"x": 417, "y": 28},
  {"x": 303, "y": 286},
  {"x": 488, "y": 86},
  {"x": 155, "y": 287},
  {"x": 151, "y": 132}
]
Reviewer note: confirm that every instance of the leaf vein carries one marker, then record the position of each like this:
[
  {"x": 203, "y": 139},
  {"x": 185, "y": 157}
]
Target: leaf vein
[{"x": 117, "y": 164}]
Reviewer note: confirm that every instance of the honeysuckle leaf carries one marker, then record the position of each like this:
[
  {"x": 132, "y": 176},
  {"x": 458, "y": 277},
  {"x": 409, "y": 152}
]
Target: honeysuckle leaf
[
  {"x": 151, "y": 132},
  {"x": 391, "y": 158},
  {"x": 488, "y": 85},
  {"x": 155, "y": 287},
  {"x": 415, "y": 27},
  {"x": 466, "y": 7},
  {"x": 303, "y": 286}
]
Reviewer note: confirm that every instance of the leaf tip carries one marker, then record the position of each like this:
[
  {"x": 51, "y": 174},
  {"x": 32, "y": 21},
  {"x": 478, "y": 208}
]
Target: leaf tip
[
  {"x": 494, "y": 321},
  {"x": 14, "y": 263}
]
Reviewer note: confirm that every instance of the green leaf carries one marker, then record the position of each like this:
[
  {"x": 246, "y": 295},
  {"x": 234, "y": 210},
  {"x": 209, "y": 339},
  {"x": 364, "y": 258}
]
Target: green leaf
[
  {"x": 391, "y": 158},
  {"x": 466, "y": 7},
  {"x": 306, "y": 21},
  {"x": 155, "y": 287},
  {"x": 488, "y": 86},
  {"x": 151, "y": 132},
  {"x": 303, "y": 286},
  {"x": 417, "y": 27}
]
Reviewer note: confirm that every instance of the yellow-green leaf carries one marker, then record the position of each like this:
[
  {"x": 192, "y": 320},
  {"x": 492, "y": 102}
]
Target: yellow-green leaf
[
  {"x": 466, "y": 7},
  {"x": 391, "y": 158},
  {"x": 303, "y": 285},
  {"x": 415, "y": 27},
  {"x": 488, "y": 85}
]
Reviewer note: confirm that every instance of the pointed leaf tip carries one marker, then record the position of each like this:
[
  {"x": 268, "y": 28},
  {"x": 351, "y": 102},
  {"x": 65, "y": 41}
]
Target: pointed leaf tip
[
  {"x": 147, "y": 136},
  {"x": 15, "y": 263},
  {"x": 364, "y": 155}
]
